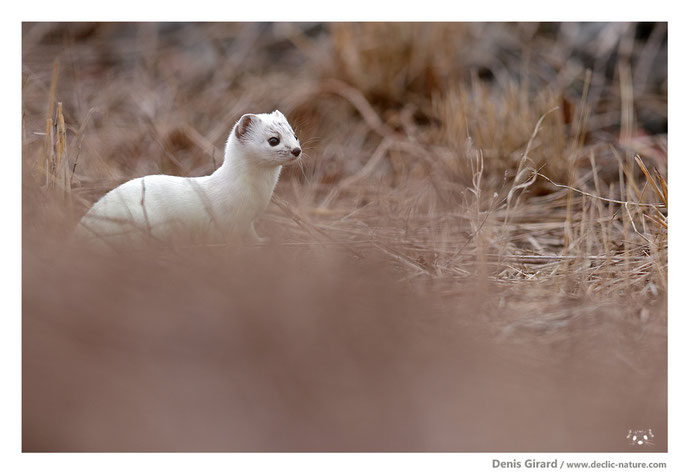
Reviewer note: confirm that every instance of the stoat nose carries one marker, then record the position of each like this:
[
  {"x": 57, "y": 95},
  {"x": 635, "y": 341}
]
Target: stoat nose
[{"x": 296, "y": 151}]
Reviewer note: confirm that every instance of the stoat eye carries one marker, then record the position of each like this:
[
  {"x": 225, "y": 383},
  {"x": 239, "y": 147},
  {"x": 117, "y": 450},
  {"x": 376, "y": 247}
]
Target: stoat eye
[
  {"x": 273, "y": 141},
  {"x": 296, "y": 137}
]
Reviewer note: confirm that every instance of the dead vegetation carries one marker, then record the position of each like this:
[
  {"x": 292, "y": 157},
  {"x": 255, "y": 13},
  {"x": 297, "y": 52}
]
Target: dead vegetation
[{"x": 515, "y": 169}]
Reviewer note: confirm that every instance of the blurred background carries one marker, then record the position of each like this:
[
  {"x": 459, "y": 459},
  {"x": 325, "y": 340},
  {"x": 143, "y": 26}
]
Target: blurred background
[{"x": 472, "y": 255}]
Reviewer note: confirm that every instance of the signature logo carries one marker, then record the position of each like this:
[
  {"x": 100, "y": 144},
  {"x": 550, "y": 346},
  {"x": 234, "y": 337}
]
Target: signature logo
[{"x": 639, "y": 437}]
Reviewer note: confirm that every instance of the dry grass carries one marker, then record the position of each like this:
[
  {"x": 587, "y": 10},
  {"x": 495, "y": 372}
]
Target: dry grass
[{"x": 511, "y": 176}]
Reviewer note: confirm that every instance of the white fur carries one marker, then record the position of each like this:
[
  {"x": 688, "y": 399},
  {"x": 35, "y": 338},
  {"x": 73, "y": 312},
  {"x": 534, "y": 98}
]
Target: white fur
[{"x": 220, "y": 207}]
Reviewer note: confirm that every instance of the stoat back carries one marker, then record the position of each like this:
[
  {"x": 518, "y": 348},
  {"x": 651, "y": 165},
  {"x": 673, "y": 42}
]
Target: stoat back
[{"x": 148, "y": 208}]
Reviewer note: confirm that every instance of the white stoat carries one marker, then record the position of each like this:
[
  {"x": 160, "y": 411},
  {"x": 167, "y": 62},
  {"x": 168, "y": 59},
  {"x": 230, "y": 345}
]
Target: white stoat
[{"x": 220, "y": 207}]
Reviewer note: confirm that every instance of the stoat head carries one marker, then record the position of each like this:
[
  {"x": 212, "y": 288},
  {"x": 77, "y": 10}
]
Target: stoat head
[{"x": 266, "y": 139}]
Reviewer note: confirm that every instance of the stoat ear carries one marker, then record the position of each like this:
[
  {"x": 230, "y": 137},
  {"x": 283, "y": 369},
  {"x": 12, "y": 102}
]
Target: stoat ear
[{"x": 242, "y": 126}]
